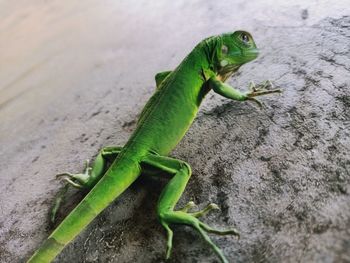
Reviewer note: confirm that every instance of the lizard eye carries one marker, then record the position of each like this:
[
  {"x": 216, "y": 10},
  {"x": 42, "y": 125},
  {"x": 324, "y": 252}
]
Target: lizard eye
[
  {"x": 245, "y": 38},
  {"x": 224, "y": 49}
]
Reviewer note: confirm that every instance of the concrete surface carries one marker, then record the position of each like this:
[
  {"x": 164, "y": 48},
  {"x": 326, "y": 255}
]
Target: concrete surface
[{"x": 74, "y": 77}]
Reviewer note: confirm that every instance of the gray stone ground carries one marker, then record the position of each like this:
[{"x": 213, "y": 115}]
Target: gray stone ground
[{"x": 75, "y": 76}]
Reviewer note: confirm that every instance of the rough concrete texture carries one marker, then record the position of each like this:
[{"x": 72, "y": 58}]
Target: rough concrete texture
[{"x": 75, "y": 76}]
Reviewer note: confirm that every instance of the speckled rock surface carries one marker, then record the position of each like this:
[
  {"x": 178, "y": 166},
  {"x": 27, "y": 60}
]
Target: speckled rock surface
[{"x": 280, "y": 175}]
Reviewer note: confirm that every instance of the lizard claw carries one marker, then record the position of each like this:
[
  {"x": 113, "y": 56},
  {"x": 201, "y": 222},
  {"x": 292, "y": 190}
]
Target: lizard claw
[
  {"x": 179, "y": 217},
  {"x": 252, "y": 86},
  {"x": 77, "y": 180},
  {"x": 199, "y": 213},
  {"x": 188, "y": 206},
  {"x": 259, "y": 90},
  {"x": 70, "y": 179},
  {"x": 206, "y": 210},
  {"x": 57, "y": 204},
  {"x": 258, "y": 102}
]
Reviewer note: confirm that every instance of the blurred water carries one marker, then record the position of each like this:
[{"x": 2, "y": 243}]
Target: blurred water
[
  {"x": 34, "y": 34},
  {"x": 51, "y": 51}
]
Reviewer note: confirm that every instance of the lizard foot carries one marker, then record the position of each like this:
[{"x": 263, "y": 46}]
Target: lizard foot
[
  {"x": 180, "y": 217},
  {"x": 199, "y": 213},
  {"x": 206, "y": 210},
  {"x": 261, "y": 89},
  {"x": 188, "y": 206},
  {"x": 77, "y": 180},
  {"x": 57, "y": 204}
]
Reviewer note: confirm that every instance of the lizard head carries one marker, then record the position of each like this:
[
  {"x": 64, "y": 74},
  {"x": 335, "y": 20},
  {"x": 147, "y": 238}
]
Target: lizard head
[{"x": 234, "y": 50}]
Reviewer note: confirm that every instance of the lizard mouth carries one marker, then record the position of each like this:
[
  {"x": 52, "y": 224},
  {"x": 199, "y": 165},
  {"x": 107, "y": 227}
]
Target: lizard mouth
[{"x": 253, "y": 53}]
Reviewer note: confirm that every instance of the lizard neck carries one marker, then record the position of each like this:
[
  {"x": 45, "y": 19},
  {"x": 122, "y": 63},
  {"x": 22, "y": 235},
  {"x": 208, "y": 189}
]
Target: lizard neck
[{"x": 190, "y": 73}]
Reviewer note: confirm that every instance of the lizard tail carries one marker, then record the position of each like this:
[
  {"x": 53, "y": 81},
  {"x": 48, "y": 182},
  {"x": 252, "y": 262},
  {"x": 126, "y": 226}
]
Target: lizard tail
[{"x": 116, "y": 180}]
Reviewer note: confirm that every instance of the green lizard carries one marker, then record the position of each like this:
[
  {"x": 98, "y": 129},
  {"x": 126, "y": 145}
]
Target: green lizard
[{"x": 162, "y": 124}]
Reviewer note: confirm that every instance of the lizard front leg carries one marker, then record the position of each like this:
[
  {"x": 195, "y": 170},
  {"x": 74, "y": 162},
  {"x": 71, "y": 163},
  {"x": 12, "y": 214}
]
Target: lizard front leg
[
  {"x": 229, "y": 92},
  {"x": 86, "y": 180},
  {"x": 181, "y": 172}
]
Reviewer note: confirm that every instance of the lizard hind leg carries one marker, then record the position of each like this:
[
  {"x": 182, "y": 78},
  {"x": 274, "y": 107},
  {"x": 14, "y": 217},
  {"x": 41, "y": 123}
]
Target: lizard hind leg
[
  {"x": 92, "y": 174},
  {"x": 86, "y": 180},
  {"x": 172, "y": 192}
]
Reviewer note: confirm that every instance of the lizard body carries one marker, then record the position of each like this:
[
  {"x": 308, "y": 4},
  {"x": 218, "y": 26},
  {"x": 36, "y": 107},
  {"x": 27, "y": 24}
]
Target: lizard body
[{"x": 162, "y": 124}]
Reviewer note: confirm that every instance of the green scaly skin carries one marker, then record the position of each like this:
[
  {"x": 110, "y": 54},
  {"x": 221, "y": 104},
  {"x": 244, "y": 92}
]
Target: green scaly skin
[{"x": 163, "y": 122}]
